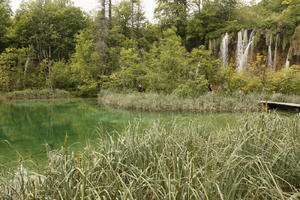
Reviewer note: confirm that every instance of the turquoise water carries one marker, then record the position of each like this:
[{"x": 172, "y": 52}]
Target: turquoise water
[{"x": 27, "y": 126}]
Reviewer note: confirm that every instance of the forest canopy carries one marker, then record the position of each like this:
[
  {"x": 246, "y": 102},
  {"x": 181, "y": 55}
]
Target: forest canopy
[{"x": 194, "y": 47}]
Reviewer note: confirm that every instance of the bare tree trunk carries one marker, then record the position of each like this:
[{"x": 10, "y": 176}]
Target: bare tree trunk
[
  {"x": 103, "y": 30},
  {"x": 132, "y": 18},
  {"x": 109, "y": 12}
]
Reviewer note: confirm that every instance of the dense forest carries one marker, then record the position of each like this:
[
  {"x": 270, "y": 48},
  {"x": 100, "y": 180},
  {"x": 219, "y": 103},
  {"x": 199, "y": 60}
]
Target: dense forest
[{"x": 194, "y": 46}]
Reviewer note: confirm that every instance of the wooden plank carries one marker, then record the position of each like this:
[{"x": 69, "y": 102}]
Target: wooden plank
[{"x": 281, "y": 105}]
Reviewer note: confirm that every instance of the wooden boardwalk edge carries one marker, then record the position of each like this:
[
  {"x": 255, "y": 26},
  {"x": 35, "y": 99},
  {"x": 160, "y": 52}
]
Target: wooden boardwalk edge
[{"x": 281, "y": 105}]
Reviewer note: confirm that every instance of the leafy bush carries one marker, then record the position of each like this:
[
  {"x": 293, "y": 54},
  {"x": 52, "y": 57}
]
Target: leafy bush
[
  {"x": 286, "y": 81},
  {"x": 61, "y": 76},
  {"x": 192, "y": 88}
]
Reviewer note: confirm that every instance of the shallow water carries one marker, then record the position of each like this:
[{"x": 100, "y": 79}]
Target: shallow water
[{"x": 27, "y": 126}]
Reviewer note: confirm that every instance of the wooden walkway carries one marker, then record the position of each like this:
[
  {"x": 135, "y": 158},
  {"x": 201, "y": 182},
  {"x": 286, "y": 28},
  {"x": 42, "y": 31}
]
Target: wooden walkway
[{"x": 281, "y": 105}]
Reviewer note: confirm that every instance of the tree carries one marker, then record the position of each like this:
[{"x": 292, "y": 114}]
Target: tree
[
  {"x": 209, "y": 22},
  {"x": 5, "y": 22},
  {"x": 204, "y": 64},
  {"x": 167, "y": 63},
  {"x": 102, "y": 30},
  {"x": 85, "y": 65},
  {"x": 132, "y": 72},
  {"x": 173, "y": 13},
  {"x": 13, "y": 68},
  {"x": 50, "y": 27}
]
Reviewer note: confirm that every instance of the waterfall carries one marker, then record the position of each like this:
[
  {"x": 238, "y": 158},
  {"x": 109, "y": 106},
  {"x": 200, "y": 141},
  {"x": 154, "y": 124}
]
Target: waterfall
[
  {"x": 245, "y": 40},
  {"x": 270, "y": 55},
  {"x": 275, "y": 53},
  {"x": 224, "y": 50},
  {"x": 244, "y": 50},
  {"x": 287, "y": 62},
  {"x": 252, "y": 45},
  {"x": 239, "y": 48},
  {"x": 244, "y": 61}
]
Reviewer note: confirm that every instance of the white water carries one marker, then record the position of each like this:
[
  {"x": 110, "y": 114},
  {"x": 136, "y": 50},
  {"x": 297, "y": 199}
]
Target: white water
[
  {"x": 275, "y": 54},
  {"x": 252, "y": 46},
  {"x": 244, "y": 50},
  {"x": 224, "y": 50},
  {"x": 287, "y": 62},
  {"x": 245, "y": 40},
  {"x": 270, "y": 62},
  {"x": 239, "y": 49}
]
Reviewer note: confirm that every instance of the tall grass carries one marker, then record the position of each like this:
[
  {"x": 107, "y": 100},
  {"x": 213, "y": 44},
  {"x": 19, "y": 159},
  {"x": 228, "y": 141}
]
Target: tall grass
[
  {"x": 258, "y": 159},
  {"x": 36, "y": 94},
  {"x": 210, "y": 102}
]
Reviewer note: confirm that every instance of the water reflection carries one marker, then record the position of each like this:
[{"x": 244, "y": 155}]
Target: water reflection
[{"x": 26, "y": 126}]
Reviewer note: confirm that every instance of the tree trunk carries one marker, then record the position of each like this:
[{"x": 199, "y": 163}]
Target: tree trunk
[
  {"x": 110, "y": 13},
  {"x": 102, "y": 30}
]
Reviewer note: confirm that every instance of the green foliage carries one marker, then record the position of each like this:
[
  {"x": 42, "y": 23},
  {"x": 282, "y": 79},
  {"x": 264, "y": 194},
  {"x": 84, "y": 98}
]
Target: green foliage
[
  {"x": 61, "y": 76},
  {"x": 12, "y": 63},
  {"x": 286, "y": 81},
  {"x": 52, "y": 44},
  {"x": 49, "y": 26},
  {"x": 192, "y": 88},
  {"x": 5, "y": 21},
  {"x": 210, "y": 21},
  {"x": 86, "y": 65},
  {"x": 204, "y": 64},
  {"x": 131, "y": 74},
  {"x": 167, "y": 61},
  {"x": 243, "y": 82}
]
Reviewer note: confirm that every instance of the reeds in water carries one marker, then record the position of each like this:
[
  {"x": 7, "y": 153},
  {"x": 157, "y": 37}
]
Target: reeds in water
[
  {"x": 258, "y": 159},
  {"x": 36, "y": 94},
  {"x": 210, "y": 102}
]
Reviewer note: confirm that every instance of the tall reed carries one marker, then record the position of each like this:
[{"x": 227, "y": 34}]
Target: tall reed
[
  {"x": 210, "y": 102},
  {"x": 258, "y": 159},
  {"x": 36, "y": 94}
]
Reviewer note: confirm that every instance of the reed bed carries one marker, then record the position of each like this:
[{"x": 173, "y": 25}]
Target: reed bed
[
  {"x": 258, "y": 159},
  {"x": 210, "y": 102},
  {"x": 36, "y": 94}
]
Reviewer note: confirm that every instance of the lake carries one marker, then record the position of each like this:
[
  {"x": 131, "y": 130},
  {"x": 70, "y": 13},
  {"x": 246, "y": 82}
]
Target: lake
[{"x": 27, "y": 126}]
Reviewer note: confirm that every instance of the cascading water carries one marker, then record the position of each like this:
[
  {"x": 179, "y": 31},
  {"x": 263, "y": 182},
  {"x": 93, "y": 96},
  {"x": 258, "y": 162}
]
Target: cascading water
[
  {"x": 287, "y": 62},
  {"x": 250, "y": 59},
  {"x": 239, "y": 49},
  {"x": 270, "y": 56},
  {"x": 270, "y": 61},
  {"x": 224, "y": 50},
  {"x": 244, "y": 50},
  {"x": 245, "y": 40},
  {"x": 275, "y": 53}
]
